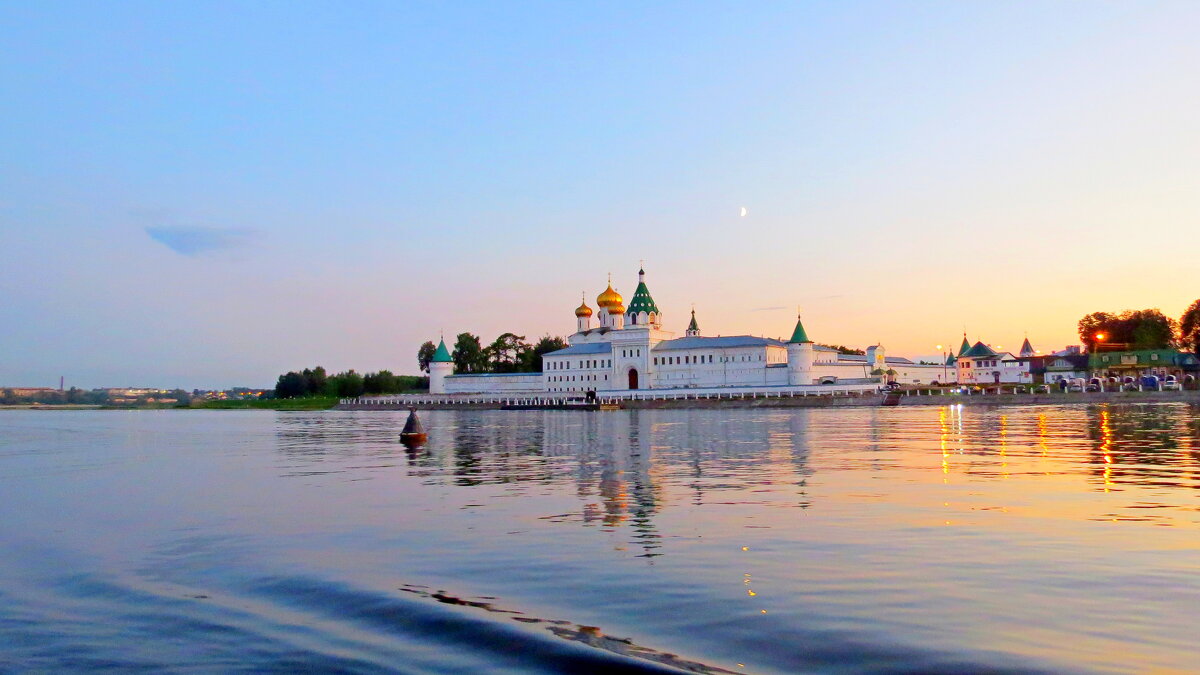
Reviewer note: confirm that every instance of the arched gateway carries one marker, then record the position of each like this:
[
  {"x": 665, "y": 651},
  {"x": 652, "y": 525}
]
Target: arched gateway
[{"x": 633, "y": 378}]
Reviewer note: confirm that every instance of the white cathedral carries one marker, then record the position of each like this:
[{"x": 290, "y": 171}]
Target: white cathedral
[{"x": 630, "y": 350}]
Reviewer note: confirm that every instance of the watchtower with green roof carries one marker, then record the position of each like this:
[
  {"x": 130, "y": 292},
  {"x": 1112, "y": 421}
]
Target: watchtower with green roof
[
  {"x": 440, "y": 366},
  {"x": 800, "y": 356}
]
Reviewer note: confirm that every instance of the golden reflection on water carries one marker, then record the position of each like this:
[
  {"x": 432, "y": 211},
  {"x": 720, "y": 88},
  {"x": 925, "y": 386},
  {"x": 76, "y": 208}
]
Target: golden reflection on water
[
  {"x": 943, "y": 441},
  {"x": 1106, "y": 436}
]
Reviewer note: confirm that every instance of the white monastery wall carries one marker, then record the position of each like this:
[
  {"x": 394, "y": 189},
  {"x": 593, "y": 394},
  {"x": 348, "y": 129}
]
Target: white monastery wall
[{"x": 515, "y": 383}]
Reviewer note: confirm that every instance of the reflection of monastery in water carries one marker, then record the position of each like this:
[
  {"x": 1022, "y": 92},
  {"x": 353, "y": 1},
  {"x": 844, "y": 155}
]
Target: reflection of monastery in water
[
  {"x": 626, "y": 468},
  {"x": 628, "y": 349}
]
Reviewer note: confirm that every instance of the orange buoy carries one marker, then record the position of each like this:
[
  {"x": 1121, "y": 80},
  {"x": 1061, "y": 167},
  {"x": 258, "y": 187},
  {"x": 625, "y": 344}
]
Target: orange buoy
[{"x": 413, "y": 434}]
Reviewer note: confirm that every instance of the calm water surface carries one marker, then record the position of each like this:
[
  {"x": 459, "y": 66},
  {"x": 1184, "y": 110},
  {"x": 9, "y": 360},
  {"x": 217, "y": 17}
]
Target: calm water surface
[{"x": 769, "y": 541}]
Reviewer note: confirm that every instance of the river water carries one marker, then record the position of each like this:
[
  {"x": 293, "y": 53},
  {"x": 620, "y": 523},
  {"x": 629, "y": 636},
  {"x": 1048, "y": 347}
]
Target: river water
[{"x": 923, "y": 539}]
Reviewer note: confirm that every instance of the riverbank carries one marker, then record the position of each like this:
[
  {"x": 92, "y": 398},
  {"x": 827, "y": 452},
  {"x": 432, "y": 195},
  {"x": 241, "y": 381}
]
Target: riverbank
[
  {"x": 905, "y": 398},
  {"x": 306, "y": 403}
]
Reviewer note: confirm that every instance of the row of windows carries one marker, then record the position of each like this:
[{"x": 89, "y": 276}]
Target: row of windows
[
  {"x": 585, "y": 363},
  {"x": 658, "y": 360},
  {"x": 676, "y": 360},
  {"x": 577, "y": 378},
  {"x": 703, "y": 358}
]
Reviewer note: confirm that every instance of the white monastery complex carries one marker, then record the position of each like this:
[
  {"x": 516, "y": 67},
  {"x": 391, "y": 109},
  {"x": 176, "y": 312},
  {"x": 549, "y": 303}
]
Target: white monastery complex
[{"x": 619, "y": 348}]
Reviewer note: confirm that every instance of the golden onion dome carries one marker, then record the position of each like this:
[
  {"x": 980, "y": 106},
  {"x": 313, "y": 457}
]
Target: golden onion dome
[
  {"x": 583, "y": 310},
  {"x": 610, "y": 299}
]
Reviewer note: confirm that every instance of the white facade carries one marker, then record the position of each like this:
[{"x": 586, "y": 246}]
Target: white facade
[
  {"x": 982, "y": 365},
  {"x": 438, "y": 372},
  {"x": 515, "y": 383},
  {"x": 1003, "y": 368}
]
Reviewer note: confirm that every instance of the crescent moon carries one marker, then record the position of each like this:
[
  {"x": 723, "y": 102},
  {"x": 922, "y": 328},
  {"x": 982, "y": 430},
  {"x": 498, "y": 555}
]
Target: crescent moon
[{"x": 744, "y": 212}]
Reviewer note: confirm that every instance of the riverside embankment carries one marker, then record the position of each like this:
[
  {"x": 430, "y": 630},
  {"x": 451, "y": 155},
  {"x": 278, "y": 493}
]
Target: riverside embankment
[{"x": 913, "y": 397}]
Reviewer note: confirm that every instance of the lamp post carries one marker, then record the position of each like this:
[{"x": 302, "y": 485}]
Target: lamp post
[{"x": 945, "y": 358}]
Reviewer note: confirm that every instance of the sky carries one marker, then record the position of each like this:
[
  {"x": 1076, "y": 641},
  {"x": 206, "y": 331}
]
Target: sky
[{"x": 206, "y": 195}]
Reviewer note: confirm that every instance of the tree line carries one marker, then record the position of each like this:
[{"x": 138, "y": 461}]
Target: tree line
[
  {"x": 1142, "y": 329},
  {"x": 509, "y": 353},
  {"x": 316, "y": 382}
]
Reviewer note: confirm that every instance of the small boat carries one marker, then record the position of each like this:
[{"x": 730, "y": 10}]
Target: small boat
[{"x": 413, "y": 434}]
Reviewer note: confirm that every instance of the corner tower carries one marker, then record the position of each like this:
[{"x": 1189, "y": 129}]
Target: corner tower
[
  {"x": 440, "y": 366},
  {"x": 800, "y": 356}
]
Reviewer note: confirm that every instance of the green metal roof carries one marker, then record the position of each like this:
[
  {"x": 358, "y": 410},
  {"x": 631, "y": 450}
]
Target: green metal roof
[
  {"x": 442, "y": 355},
  {"x": 965, "y": 347},
  {"x": 979, "y": 350},
  {"x": 799, "y": 335},
  {"x": 642, "y": 302},
  {"x": 951, "y": 360},
  {"x": 692, "y": 325},
  {"x": 1140, "y": 358}
]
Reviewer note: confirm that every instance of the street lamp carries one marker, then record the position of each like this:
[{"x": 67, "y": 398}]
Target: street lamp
[{"x": 945, "y": 358}]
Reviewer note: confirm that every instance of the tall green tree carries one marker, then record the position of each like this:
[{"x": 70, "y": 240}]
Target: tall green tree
[
  {"x": 505, "y": 353},
  {"x": 1095, "y": 324},
  {"x": 316, "y": 378},
  {"x": 1151, "y": 329},
  {"x": 425, "y": 355},
  {"x": 468, "y": 354},
  {"x": 1189, "y": 328},
  {"x": 291, "y": 385},
  {"x": 348, "y": 383},
  {"x": 383, "y": 382},
  {"x": 532, "y": 359},
  {"x": 1133, "y": 329}
]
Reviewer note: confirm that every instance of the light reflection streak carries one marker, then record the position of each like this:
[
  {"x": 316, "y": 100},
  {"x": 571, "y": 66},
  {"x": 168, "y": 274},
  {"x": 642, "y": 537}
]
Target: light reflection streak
[
  {"x": 1041, "y": 436},
  {"x": 1106, "y": 440},
  {"x": 1004, "y": 446},
  {"x": 943, "y": 437}
]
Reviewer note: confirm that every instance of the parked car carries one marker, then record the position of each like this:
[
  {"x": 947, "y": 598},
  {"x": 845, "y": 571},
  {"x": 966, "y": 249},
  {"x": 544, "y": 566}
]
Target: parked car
[
  {"x": 1042, "y": 389},
  {"x": 1150, "y": 382},
  {"x": 1019, "y": 389},
  {"x": 1170, "y": 383},
  {"x": 1076, "y": 384},
  {"x": 1094, "y": 384}
]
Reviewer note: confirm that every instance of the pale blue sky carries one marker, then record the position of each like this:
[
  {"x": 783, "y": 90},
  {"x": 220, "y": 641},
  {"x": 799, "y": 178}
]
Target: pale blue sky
[{"x": 208, "y": 194}]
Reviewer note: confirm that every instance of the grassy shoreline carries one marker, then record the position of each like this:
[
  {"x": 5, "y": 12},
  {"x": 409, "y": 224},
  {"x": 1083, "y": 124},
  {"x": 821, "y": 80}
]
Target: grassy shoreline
[{"x": 306, "y": 403}]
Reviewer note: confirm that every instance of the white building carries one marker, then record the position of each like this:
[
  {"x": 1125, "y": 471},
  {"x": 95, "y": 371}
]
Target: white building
[
  {"x": 980, "y": 364},
  {"x": 627, "y": 348}
]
